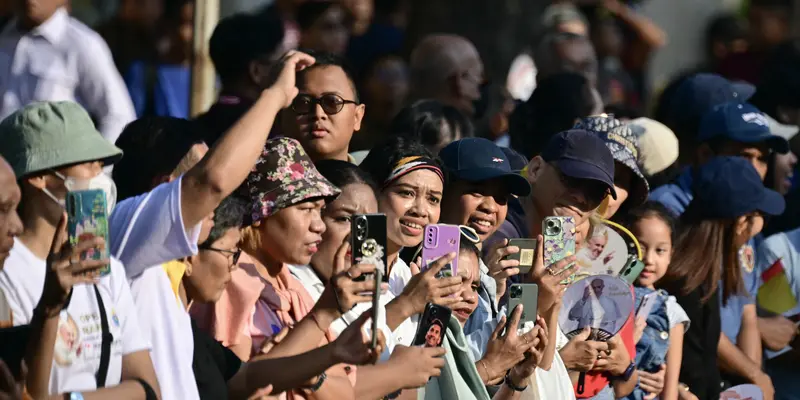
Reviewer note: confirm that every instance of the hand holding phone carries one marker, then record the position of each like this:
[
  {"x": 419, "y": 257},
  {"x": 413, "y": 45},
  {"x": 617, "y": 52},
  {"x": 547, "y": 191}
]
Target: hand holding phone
[
  {"x": 526, "y": 294},
  {"x": 432, "y": 326},
  {"x": 525, "y": 254},
  {"x": 87, "y": 213},
  {"x": 559, "y": 241},
  {"x": 348, "y": 286},
  {"x": 439, "y": 240},
  {"x": 368, "y": 242}
]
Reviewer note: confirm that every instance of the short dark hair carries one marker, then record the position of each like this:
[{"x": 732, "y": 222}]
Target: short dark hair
[
  {"x": 309, "y": 11},
  {"x": 557, "y": 102},
  {"x": 725, "y": 27},
  {"x": 342, "y": 173},
  {"x": 228, "y": 215},
  {"x": 152, "y": 147},
  {"x": 779, "y": 82},
  {"x": 241, "y": 39},
  {"x": 423, "y": 120},
  {"x": 325, "y": 59},
  {"x": 382, "y": 159},
  {"x": 468, "y": 247},
  {"x": 651, "y": 209}
]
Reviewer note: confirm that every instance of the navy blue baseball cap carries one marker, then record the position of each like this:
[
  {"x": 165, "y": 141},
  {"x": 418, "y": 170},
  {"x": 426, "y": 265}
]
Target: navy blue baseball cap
[
  {"x": 729, "y": 187},
  {"x": 581, "y": 154},
  {"x": 479, "y": 159},
  {"x": 699, "y": 93},
  {"x": 740, "y": 122}
]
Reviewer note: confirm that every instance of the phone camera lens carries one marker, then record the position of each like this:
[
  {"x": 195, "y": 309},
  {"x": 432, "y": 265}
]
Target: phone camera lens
[{"x": 516, "y": 292}]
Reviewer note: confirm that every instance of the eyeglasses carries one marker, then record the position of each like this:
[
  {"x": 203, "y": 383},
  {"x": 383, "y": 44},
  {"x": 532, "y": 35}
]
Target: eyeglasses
[
  {"x": 330, "y": 103},
  {"x": 235, "y": 253}
]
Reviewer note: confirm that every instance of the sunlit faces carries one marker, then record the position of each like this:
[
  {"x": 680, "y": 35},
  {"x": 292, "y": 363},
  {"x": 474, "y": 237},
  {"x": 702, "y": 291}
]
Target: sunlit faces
[
  {"x": 209, "y": 272},
  {"x": 469, "y": 271},
  {"x": 325, "y": 135},
  {"x": 293, "y": 235},
  {"x": 410, "y": 203},
  {"x": 10, "y": 224},
  {"x": 356, "y": 198},
  {"x": 623, "y": 179},
  {"x": 655, "y": 238},
  {"x": 747, "y": 227},
  {"x": 555, "y": 194},
  {"x": 482, "y": 206},
  {"x": 756, "y": 154}
]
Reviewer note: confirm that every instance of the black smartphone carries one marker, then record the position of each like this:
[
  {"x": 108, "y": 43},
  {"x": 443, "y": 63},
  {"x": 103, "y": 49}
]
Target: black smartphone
[
  {"x": 14, "y": 344},
  {"x": 526, "y": 255},
  {"x": 368, "y": 242},
  {"x": 376, "y": 307},
  {"x": 432, "y": 326}
]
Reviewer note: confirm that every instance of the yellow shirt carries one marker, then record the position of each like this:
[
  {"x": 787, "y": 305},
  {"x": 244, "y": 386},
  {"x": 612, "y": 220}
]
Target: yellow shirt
[{"x": 175, "y": 271}]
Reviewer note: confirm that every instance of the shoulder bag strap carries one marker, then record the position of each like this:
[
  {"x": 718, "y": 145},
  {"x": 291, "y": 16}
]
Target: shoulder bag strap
[{"x": 107, "y": 338}]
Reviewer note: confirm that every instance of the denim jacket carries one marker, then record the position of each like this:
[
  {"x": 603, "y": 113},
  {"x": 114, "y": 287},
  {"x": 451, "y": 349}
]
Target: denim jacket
[{"x": 651, "y": 351}]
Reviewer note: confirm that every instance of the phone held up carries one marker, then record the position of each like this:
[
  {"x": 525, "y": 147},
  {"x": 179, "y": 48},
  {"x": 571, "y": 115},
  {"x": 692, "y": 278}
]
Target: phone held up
[
  {"x": 526, "y": 294},
  {"x": 432, "y": 326},
  {"x": 439, "y": 241},
  {"x": 368, "y": 243},
  {"x": 87, "y": 217},
  {"x": 526, "y": 255},
  {"x": 559, "y": 241}
]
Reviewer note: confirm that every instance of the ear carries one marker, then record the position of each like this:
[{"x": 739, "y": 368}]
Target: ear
[
  {"x": 741, "y": 225},
  {"x": 703, "y": 153},
  {"x": 189, "y": 262},
  {"x": 358, "y": 116},
  {"x": 256, "y": 72},
  {"x": 39, "y": 181},
  {"x": 534, "y": 169},
  {"x": 454, "y": 86}
]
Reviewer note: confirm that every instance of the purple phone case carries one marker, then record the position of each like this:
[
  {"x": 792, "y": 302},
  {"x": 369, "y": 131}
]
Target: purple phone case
[{"x": 440, "y": 240}]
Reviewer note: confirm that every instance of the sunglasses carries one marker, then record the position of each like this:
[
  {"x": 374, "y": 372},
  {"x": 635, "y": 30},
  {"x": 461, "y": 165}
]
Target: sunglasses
[
  {"x": 330, "y": 103},
  {"x": 594, "y": 191},
  {"x": 469, "y": 234},
  {"x": 227, "y": 253}
]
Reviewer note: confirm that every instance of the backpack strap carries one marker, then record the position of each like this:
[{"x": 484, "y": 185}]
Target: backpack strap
[{"x": 105, "y": 346}]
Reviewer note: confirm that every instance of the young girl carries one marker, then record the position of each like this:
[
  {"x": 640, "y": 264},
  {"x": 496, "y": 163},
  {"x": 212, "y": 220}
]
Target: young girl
[{"x": 661, "y": 341}]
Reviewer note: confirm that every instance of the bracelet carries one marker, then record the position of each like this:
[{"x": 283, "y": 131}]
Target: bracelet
[
  {"x": 149, "y": 393},
  {"x": 489, "y": 375},
  {"x": 510, "y": 384},
  {"x": 320, "y": 380}
]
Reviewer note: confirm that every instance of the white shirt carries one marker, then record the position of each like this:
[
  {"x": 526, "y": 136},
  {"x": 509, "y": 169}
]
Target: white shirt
[
  {"x": 147, "y": 231},
  {"x": 314, "y": 286},
  {"x": 63, "y": 59},
  {"x": 398, "y": 279},
  {"x": 78, "y": 342}
]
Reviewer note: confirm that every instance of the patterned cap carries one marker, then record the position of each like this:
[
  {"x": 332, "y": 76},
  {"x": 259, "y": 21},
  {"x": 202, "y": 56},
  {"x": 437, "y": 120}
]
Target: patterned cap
[
  {"x": 282, "y": 177},
  {"x": 624, "y": 146}
]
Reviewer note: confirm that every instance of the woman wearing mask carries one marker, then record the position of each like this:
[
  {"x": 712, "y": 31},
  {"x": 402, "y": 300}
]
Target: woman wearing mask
[
  {"x": 283, "y": 226},
  {"x": 408, "y": 367},
  {"x": 54, "y": 148},
  {"x": 728, "y": 209}
]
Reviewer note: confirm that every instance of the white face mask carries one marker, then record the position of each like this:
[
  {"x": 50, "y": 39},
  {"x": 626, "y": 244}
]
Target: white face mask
[{"x": 100, "y": 182}]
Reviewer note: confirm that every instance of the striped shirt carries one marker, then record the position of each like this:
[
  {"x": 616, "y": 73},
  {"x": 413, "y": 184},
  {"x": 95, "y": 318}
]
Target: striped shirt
[{"x": 62, "y": 59}]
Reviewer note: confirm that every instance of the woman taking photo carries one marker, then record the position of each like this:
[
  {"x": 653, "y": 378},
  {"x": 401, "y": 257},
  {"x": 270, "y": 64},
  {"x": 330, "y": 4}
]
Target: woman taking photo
[{"x": 728, "y": 209}]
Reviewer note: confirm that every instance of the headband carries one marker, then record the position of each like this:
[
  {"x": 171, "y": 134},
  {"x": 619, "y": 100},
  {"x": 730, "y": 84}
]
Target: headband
[{"x": 409, "y": 164}]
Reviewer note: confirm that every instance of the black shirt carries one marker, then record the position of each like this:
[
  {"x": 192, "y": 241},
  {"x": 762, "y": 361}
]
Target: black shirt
[
  {"x": 699, "y": 368},
  {"x": 213, "y": 365},
  {"x": 221, "y": 117}
]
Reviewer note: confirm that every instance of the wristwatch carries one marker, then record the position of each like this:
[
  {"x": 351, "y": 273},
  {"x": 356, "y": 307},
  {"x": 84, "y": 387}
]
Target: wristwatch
[
  {"x": 313, "y": 388},
  {"x": 627, "y": 374},
  {"x": 73, "y": 396},
  {"x": 507, "y": 381}
]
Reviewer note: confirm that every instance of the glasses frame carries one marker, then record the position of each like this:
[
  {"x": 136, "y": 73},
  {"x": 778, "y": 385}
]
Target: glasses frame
[
  {"x": 314, "y": 101},
  {"x": 235, "y": 253}
]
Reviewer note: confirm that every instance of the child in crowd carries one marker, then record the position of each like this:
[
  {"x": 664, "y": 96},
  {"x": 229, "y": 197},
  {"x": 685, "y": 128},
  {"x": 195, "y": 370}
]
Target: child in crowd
[{"x": 660, "y": 333}]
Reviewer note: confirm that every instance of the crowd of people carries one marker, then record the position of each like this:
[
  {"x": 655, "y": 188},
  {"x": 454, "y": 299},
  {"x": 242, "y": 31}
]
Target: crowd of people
[{"x": 221, "y": 266}]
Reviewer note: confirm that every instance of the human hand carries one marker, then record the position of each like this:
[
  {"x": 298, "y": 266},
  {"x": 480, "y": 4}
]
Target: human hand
[
  {"x": 533, "y": 357},
  {"x": 580, "y": 354},
  {"x": 274, "y": 340},
  {"x": 65, "y": 268},
  {"x": 343, "y": 292},
  {"x": 777, "y": 332},
  {"x": 653, "y": 383},
  {"x": 263, "y": 394},
  {"x": 10, "y": 389},
  {"x": 549, "y": 277},
  {"x": 607, "y": 259},
  {"x": 639, "y": 326},
  {"x": 616, "y": 360},
  {"x": 764, "y": 383},
  {"x": 424, "y": 287},
  {"x": 416, "y": 365},
  {"x": 353, "y": 347},
  {"x": 283, "y": 74},
  {"x": 504, "y": 350},
  {"x": 501, "y": 269}
]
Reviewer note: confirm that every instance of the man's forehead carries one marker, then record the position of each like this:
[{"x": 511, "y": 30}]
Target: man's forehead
[{"x": 327, "y": 78}]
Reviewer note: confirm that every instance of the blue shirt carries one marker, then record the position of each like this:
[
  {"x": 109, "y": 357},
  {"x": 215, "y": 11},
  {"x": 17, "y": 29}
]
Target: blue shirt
[{"x": 677, "y": 195}]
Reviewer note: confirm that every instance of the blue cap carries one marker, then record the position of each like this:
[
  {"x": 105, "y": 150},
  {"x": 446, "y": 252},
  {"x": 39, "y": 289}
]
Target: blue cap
[
  {"x": 740, "y": 122},
  {"x": 479, "y": 159},
  {"x": 583, "y": 155},
  {"x": 517, "y": 161},
  {"x": 699, "y": 93},
  {"x": 729, "y": 187}
]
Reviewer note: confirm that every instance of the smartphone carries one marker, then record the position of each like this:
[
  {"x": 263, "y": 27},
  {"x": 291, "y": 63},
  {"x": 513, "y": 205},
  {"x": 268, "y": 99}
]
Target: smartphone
[
  {"x": 15, "y": 343},
  {"x": 439, "y": 241},
  {"x": 376, "y": 307},
  {"x": 646, "y": 306},
  {"x": 526, "y": 255},
  {"x": 632, "y": 269},
  {"x": 432, "y": 326},
  {"x": 87, "y": 216},
  {"x": 368, "y": 243},
  {"x": 559, "y": 241},
  {"x": 526, "y": 294}
]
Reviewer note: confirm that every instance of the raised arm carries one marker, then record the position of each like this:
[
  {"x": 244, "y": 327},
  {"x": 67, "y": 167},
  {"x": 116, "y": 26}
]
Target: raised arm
[{"x": 227, "y": 164}]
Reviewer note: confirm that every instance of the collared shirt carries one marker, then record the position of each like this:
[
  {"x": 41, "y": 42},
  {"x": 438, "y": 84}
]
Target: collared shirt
[{"x": 63, "y": 59}]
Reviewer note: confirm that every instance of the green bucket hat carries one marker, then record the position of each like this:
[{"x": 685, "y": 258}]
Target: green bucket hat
[{"x": 51, "y": 134}]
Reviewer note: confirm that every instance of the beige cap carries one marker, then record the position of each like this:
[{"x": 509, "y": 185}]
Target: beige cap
[{"x": 658, "y": 145}]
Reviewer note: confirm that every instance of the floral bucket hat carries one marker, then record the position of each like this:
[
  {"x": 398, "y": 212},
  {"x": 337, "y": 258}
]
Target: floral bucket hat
[
  {"x": 282, "y": 177},
  {"x": 624, "y": 146}
]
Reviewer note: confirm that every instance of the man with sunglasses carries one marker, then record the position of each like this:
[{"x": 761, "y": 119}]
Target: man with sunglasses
[{"x": 327, "y": 111}]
